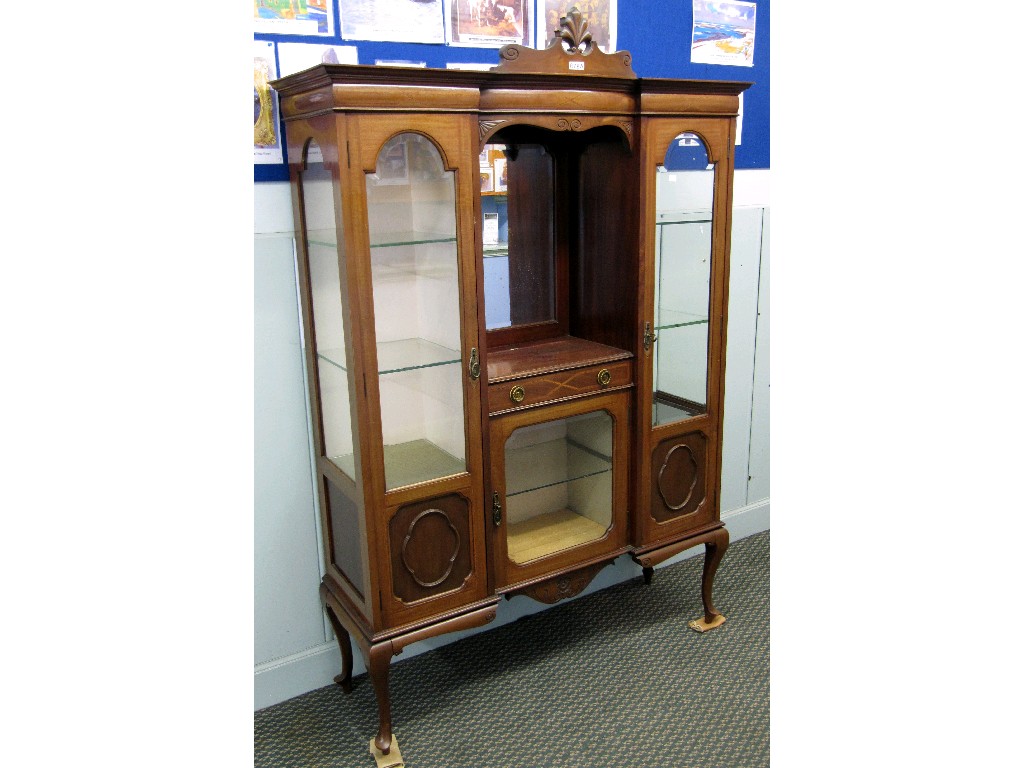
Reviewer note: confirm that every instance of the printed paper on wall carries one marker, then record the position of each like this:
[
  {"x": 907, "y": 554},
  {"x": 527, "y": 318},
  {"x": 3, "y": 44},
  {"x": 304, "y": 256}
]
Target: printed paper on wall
[
  {"x": 408, "y": 21},
  {"x": 293, "y": 17},
  {"x": 723, "y": 33},
  {"x": 600, "y": 15},
  {"x": 490, "y": 22},
  {"x": 267, "y": 126}
]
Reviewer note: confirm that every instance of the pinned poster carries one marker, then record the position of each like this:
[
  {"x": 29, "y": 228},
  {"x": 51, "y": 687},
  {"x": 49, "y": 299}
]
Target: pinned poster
[
  {"x": 723, "y": 33},
  {"x": 293, "y": 17},
  {"x": 267, "y": 146},
  {"x": 409, "y": 21},
  {"x": 488, "y": 23},
  {"x": 601, "y": 17}
]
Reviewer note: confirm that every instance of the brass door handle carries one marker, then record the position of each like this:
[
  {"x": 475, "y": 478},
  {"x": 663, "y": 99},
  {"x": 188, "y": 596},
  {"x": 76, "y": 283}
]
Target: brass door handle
[
  {"x": 474, "y": 364},
  {"x": 649, "y": 337},
  {"x": 496, "y": 509}
]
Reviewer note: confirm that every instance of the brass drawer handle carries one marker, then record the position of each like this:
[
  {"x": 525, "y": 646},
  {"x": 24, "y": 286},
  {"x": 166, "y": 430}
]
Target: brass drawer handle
[
  {"x": 518, "y": 394},
  {"x": 604, "y": 377}
]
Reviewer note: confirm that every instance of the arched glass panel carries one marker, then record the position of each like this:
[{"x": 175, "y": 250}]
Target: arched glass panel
[
  {"x": 414, "y": 260},
  {"x": 684, "y": 198}
]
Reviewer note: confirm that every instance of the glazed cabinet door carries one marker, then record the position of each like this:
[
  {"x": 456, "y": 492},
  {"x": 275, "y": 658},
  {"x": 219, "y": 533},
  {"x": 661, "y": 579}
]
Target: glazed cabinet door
[
  {"x": 560, "y": 476},
  {"x": 683, "y": 333},
  {"x": 420, "y": 349}
]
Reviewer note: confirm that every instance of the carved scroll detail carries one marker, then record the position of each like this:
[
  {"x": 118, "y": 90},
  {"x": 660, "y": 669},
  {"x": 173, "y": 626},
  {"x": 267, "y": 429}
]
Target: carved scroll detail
[
  {"x": 451, "y": 559},
  {"x": 569, "y": 125}
]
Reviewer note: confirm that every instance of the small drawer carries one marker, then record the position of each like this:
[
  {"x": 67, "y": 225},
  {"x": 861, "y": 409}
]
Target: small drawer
[{"x": 524, "y": 392}]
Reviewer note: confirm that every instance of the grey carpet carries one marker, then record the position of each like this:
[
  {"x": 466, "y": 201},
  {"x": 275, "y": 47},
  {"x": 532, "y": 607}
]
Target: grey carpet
[{"x": 614, "y": 679}]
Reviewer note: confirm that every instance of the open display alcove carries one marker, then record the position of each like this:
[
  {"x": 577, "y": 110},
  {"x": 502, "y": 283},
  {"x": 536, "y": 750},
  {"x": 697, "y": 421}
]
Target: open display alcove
[{"x": 513, "y": 288}]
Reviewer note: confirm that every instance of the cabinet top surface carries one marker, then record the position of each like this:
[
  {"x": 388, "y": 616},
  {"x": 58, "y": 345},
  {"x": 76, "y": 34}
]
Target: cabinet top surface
[
  {"x": 548, "y": 355},
  {"x": 350, "y": 74}
]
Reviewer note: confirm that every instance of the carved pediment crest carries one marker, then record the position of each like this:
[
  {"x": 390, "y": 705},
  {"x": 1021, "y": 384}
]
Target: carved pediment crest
[
  {"x": 574, "y": 31},
  {"x": 570, "y": 51}
]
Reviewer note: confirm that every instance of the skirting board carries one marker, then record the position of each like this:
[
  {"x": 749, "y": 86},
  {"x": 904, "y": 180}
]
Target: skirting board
[{"x": 285, "y": 678}]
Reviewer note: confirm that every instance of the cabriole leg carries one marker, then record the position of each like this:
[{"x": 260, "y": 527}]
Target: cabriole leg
[
  {"x": 380, "y": 664},
  {"x": 714, "y": 550},
  {"x": 345, "y": 644}
]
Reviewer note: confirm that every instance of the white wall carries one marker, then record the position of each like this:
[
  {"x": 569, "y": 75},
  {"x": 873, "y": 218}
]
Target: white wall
[{"x": 295, "y": 651}]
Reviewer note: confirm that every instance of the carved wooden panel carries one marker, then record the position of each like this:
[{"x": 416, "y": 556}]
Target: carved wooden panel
[
  {"x": 430, "y": 549},
  {"x": 678, "y": 477},
  {"x": 575, "y": 123},
  {"x": 565, "y": 586}
]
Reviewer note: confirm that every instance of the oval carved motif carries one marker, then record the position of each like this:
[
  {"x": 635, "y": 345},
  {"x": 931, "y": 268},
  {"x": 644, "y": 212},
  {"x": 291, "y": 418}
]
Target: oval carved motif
[
  {"x": 451, "y": 560},
  {"x": 689, "y": 459}
]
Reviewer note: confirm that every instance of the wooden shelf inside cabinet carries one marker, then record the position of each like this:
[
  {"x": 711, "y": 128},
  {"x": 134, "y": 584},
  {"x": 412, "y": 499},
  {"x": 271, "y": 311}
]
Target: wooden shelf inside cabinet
[
  {"x": 412, "y": 462},
  {"x": 551, "y": 533},
  {"x": 548, "y": 355}
]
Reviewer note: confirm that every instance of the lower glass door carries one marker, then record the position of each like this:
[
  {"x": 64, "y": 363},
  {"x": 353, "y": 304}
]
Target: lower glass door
[
  {"x": 560, "y": 475},
  {"x": 558, "y": 485}
]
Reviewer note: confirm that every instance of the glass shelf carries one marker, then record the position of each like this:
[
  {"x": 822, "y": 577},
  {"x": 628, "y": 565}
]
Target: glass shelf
[
  {"x": 671, "y": 318},
  {"x": 684, "y": 217},
  {"x": 582, "y": 462},
  {"x": 401, "y": 355},
  {"x": 409, "y": 463},
  {"x": 669, "y": 412},
  {"x": 385, "y": 240},
  {"x": 490, "y": 251},
  {"x": 325, "y": 237},
  {"x": 392, "y": 239}
]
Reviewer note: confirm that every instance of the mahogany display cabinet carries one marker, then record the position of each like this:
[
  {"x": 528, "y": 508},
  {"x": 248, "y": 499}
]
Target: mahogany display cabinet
[{"x": 513, "y": 288}]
